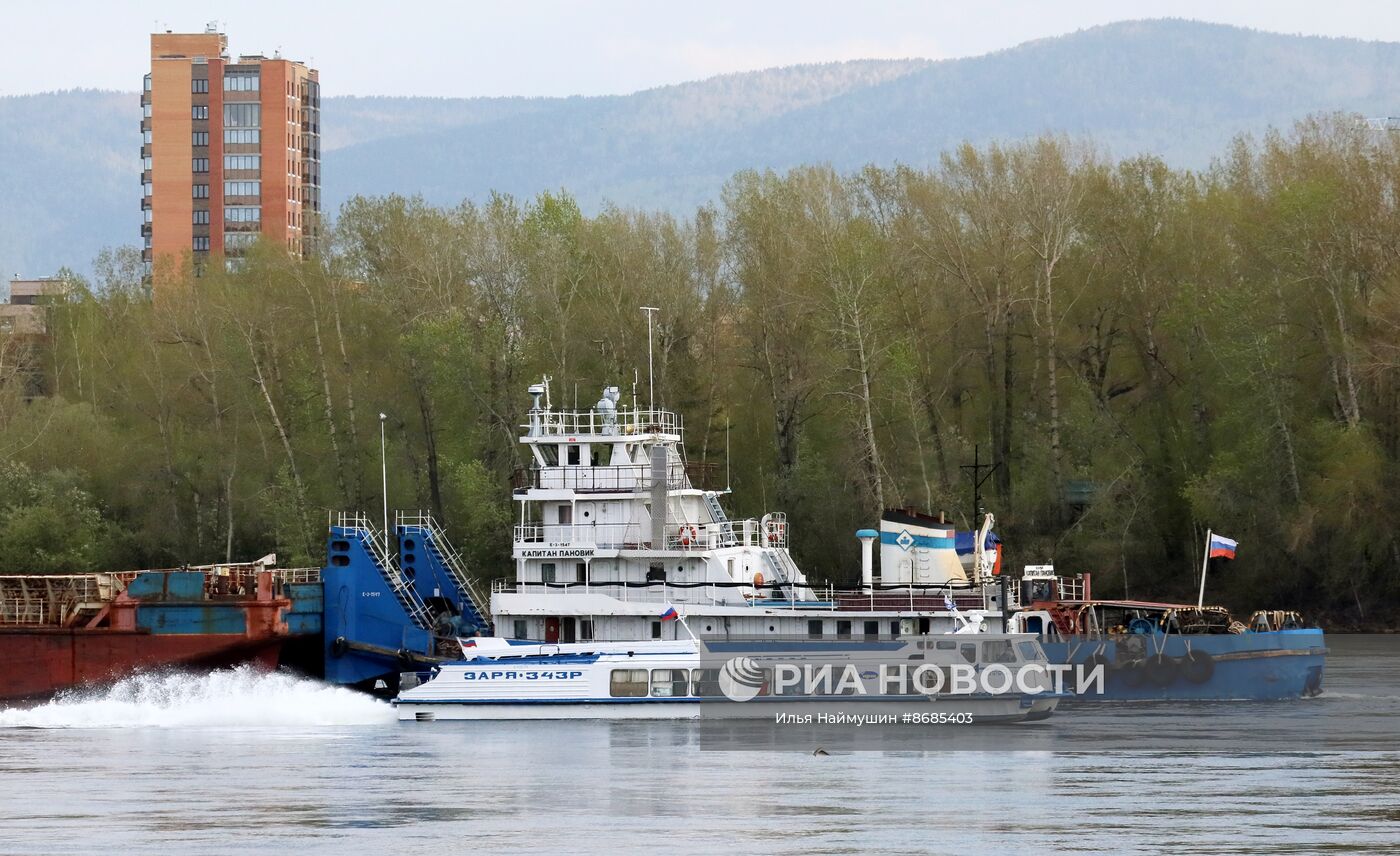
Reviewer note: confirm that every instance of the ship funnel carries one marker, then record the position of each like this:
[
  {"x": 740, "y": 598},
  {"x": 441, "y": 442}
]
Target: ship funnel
[
  {"x": 917, "y": 549},
  {"x": 867, "y": 558}
]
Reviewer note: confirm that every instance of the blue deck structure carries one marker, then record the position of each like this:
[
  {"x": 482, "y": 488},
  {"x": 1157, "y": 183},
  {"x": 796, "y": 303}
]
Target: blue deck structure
[
  {"x": 387, "y": 612},
  {"x": 1257, "y": 666}
]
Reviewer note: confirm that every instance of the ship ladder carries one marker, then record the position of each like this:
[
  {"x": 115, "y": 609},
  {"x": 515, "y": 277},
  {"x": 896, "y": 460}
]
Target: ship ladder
[{"x": 726, "y": 528}]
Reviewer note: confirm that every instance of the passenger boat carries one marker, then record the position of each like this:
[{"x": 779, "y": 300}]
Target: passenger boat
[{"x": 688, "y": 678}]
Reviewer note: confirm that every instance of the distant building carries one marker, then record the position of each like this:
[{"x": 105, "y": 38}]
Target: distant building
[
  {"x": 230, "y": 150},
  {"x": 24, "y": 333}
]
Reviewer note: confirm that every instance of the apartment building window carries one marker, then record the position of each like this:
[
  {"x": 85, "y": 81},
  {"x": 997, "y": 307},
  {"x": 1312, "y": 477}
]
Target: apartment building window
[
  {"x": 242, "y": 188},
  {"x": 201, "y": 242},
  {"x": 198, "y": 111},
  {"x": 147, "y": 214},
  {"x": 199, "y": 84},
  {"x": 201, "y": 191},
  {"x": 146, "y": 188},
  {"x": 146, "y": 84},
  {"x": 199, "y": 138},
  {"x": 241, "y": 81},
  {"x": 242, "y": 115},
  {"x": 146, "y": 136},
  {"x": 146, "y": 162},
  {"x": 201, "y": 218},
  {"x": 242, "y": 214},
  {"x": 239, "y": 240},
  {"x": 242, "y": 161},
  {"x": 146, "y": 110},
  {"x": 235, "y": 135},
  {"x": 199, "y": 164}
]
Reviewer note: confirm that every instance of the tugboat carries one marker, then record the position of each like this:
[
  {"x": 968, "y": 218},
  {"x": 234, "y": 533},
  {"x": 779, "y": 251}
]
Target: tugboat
[{"x": 612, "y": 524}]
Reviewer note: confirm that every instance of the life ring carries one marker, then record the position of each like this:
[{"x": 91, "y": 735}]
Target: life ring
[
  {"x": 1197, "y": 666},
  {"x": 1162, "y": 669},
  {"x": 758, "y": 579},
  {"x": 689, "y": 535}
]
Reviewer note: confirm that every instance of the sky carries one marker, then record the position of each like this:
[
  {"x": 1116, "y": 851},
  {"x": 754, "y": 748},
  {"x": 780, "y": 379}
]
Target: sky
[{"x": 469, "y": 48}]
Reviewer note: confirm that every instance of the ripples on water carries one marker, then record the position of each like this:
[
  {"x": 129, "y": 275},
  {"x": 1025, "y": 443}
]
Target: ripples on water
[{"x": 240, "y": 762}]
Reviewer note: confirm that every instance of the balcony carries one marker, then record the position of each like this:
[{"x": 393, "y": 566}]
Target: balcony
[
  {"x": 630, "y": 478},
  {"x": 769, "y": 532},
  {"x": 622, "y": 422}
]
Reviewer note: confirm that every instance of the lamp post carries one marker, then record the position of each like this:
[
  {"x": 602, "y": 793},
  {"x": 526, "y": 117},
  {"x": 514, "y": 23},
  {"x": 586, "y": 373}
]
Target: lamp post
[{"x": 384, "y": 481}]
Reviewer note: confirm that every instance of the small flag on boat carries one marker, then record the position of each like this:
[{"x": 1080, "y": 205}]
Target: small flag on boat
[
  {"x": 1221, "y": 547},
  {"x": 670, "y": 614},
  {"x": 948, "y": 602}
]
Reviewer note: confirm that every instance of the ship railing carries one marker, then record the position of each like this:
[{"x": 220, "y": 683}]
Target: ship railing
[
  {"x": 768, "y": 596},
  {"x": 633, "y": 478},
  {"x": 573, "y": 423},
  {"x": 23, "y": 611},
  {"x": 447, "y": 553},
  {"x": 692, "y": 537}
]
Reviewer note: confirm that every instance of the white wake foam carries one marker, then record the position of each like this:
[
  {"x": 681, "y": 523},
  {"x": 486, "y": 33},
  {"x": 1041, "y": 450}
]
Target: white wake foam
[{"x": 243, "y": 696}]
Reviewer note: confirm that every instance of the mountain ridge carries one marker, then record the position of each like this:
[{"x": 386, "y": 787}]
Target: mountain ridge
[{"x": 1177, "y": 88}]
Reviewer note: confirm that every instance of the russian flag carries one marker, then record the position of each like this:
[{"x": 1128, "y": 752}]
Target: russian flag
[
  {"x": 1221, "y": 547},
  {"x": 671, "y": 615}
]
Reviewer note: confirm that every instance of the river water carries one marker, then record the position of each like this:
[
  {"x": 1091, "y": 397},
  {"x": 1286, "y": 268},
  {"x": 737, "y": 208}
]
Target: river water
[{"x": 241, "y": 762}]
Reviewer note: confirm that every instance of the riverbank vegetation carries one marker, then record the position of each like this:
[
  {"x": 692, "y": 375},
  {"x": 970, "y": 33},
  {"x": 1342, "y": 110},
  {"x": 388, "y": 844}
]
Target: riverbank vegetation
[{"x": 1146, "y": 352}]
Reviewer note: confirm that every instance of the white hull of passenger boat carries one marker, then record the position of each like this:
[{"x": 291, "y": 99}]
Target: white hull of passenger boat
[{"x": 671, "y": 681}]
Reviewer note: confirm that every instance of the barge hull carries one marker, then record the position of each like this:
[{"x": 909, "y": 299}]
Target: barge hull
[{"x": 41, "y": 661}]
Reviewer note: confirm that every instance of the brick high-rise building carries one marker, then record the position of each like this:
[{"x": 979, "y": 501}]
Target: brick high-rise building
[{"x": 230, "y": 150}]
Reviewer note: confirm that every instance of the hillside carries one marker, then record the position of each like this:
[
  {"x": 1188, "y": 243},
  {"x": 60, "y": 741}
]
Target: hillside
[{"x": 1180, "y": 89}]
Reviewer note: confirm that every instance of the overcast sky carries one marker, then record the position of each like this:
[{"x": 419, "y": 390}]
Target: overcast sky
[{"x": 465, "y": 48}]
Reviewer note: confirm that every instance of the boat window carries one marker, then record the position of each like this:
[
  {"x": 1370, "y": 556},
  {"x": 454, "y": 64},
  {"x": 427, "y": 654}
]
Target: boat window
[
  {"x": 945, "y": 645},
  {"x": 1029, "y": 651},
  {"x": 520, "y": 629},
  {"x": 706, "y": 683},
  {"x": 843, "y": 630},
  {"x": 814, "y": 628},
  {"x": 547, "y": 572},
  {"x": 628, "y": 683},
  {"x": 573, "y": 456},
  {"x": 894, "y": 629},
  {"x": 656, "y": 630},
  {"x": 585, "y": 629},
  {"x": 669, "y": 683},
  {"x": 969, "y": 652},
  {"x": 998, "y": 651},
  {"x": 550, "y": 454},
  {"x": 872, "y": 630}
]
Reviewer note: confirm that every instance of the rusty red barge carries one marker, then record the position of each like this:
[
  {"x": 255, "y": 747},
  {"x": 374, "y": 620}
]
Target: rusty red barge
[{"x": 61, "y": 631}]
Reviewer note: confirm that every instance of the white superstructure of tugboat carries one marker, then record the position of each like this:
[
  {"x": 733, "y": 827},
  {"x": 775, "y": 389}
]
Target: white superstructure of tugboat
[{"x": 611, "y": 526}]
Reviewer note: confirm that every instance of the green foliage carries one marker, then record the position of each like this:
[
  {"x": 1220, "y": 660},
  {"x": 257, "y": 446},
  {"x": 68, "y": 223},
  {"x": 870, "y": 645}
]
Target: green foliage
[
  {"x": 50, "y": 524},
  {"x": 1147, "y": 352}
]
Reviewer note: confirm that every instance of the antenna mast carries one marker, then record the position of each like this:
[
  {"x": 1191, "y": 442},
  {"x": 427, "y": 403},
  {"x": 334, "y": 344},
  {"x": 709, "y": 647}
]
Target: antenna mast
[{"x": 651, "y": 376}]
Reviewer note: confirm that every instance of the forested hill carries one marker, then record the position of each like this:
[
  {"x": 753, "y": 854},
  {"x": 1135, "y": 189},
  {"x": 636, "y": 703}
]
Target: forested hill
[{"x": 1176, "y": 88}]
